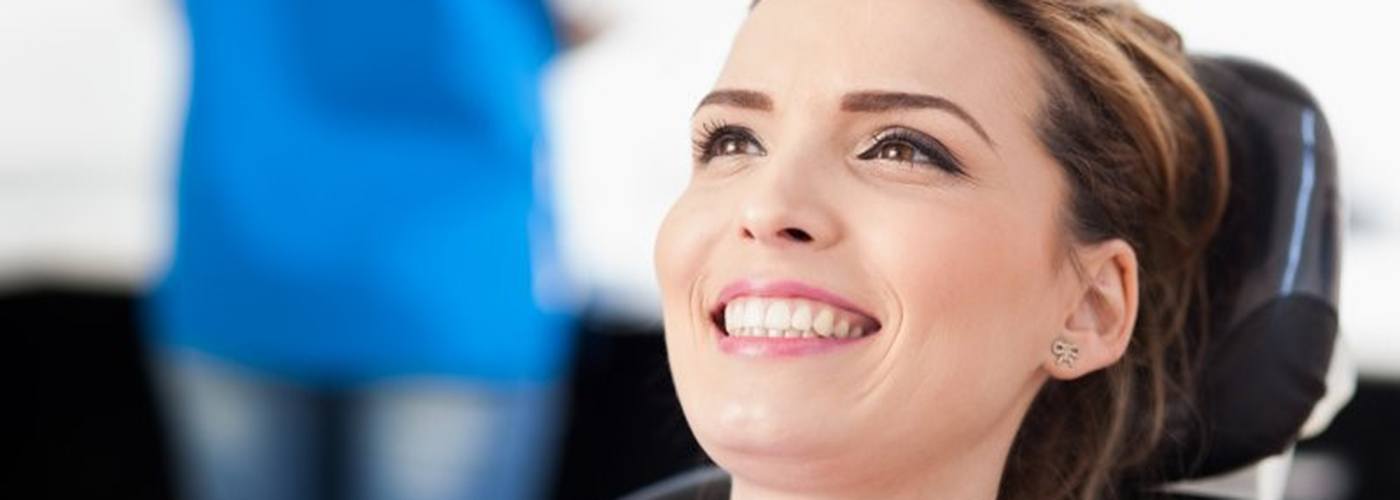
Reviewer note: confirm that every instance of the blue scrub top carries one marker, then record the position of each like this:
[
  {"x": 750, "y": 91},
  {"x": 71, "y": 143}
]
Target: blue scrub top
[{"x": 356, "y": 197}]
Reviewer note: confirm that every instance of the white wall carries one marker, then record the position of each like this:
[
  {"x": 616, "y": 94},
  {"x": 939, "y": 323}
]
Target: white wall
[{"x": 91, "y": 95}]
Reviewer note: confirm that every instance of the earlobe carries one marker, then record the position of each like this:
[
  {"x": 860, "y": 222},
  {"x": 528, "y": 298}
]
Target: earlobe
[
  {"x": 1066, "y": 353},
  {"x": 1099, "y": 325}
]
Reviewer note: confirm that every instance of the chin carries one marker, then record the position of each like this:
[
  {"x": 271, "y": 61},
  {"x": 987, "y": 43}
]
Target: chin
[
  {"x": 769, "y": 433},
  {"x": 776, "y": 453}
]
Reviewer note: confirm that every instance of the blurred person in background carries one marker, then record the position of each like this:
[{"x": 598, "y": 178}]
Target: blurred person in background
[{"x": 359, "y": 298}]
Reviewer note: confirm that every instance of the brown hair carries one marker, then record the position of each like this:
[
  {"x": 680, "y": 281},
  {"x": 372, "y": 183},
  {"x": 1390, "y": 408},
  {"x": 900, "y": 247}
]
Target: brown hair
[{"x": 1145, "y": 159}]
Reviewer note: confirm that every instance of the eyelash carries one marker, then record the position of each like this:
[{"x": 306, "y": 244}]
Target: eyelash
[{"x": 938, "y": 155}]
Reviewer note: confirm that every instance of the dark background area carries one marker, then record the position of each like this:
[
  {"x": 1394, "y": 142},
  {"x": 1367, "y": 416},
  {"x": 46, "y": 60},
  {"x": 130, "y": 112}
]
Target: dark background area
[{"x": 90, "y": 427}]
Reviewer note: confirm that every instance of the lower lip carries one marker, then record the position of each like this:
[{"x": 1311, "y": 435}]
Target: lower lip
[{"x": 772, "y": 347}]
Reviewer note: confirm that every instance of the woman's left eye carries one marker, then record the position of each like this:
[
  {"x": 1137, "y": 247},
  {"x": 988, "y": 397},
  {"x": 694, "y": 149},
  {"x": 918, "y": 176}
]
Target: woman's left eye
[
  {"x": 905, "y": 146},
  {"x": 896, "y": 150}
]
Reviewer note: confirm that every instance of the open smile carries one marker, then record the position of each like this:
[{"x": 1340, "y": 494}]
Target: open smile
[{"x": 786, "y": 317}]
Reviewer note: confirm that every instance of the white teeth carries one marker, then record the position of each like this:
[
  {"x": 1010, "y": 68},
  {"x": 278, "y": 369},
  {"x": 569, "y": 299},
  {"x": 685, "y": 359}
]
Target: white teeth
[
  {"x": 790, "y": 318},
  {"x": 823, "y": 323},
  {"x": 802, "y": 318},
  {"x": 753, "y": 313},
  {"x": 843, "y": 328},
  {"x": 779, "y": 315}
]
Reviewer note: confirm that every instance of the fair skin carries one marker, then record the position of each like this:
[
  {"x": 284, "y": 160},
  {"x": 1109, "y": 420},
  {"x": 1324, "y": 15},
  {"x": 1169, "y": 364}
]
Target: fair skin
[{"x": 819, "y": 164}]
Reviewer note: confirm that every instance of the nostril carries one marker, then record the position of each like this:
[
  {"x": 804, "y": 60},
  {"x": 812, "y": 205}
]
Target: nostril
[{"x": 797, "y": 235}]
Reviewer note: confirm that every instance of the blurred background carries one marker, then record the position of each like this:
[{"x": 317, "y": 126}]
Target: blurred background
[{"x": 127, "y": 129}]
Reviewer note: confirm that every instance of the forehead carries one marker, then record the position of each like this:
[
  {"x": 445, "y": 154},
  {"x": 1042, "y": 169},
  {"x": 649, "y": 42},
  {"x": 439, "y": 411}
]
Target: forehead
[{"x": 802, "y": 50}]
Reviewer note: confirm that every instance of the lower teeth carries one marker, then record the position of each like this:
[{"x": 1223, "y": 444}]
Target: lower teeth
[{"x": 789, "y": 334}]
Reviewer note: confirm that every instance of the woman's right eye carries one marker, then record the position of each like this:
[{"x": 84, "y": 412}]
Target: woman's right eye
[{"x": 726, "y": 140}]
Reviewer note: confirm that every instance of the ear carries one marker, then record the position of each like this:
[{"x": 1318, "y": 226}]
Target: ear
[{"x": 1098, "y": 323}]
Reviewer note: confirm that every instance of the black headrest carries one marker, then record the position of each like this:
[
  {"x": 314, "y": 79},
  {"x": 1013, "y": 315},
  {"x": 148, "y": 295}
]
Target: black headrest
[{"x": 1272, "y": 274}]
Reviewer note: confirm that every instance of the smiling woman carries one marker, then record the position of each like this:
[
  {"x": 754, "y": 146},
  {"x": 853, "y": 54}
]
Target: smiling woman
[{"x": 940, "y": 249}]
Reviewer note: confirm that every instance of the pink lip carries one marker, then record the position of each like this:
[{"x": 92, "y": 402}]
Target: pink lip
[
  {"x": 781, "y": 347},
  {"x": 765, "y": 347},
  {"x": 784, "y": 289}
]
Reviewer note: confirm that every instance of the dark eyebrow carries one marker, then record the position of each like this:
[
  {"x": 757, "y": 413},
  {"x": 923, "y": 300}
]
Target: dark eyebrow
[
  {"x": 748, "y": 99},
  {"x": 879, "y": 102}
]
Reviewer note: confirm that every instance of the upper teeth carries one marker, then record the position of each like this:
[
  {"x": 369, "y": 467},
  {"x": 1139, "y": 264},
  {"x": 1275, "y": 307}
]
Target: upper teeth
[{"x": 791, "y": 318}]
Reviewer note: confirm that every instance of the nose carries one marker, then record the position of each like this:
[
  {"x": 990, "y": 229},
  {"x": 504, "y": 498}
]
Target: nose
[{"x": 785, "y": 210}]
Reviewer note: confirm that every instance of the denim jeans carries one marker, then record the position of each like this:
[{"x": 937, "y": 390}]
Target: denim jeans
[{"x": 240, "y": 436}]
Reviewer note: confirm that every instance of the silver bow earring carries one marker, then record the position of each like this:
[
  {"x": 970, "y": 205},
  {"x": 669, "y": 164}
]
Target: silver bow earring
[{"x": 1066, "y": 353}]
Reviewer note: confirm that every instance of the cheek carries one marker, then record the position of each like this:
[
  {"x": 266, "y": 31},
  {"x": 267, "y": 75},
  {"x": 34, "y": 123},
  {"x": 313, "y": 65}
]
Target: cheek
[
  {"x": 974, "y": 294},
  {"x": 972, "y": 275},
  {"x": 682, "y": 245}
]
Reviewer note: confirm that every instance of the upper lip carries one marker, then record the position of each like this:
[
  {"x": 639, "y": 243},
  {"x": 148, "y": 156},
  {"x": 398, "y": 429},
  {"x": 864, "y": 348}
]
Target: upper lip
[{"x": 784, "y": 289}]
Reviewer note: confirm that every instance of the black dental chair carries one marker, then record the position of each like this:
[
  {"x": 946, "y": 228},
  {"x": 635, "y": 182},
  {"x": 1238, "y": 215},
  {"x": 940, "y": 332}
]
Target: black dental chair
[{"x": 1273, "y": 273}]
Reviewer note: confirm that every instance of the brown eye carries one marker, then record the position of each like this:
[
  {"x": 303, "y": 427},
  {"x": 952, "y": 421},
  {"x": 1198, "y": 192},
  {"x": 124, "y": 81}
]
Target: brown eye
[
  {"x": 730, "y": 146},
  {"x": 727, "y": 141},
  {"x": 901, "y": 152}
]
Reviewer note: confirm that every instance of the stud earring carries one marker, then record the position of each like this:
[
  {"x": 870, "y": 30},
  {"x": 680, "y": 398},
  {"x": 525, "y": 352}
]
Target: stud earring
[{"x": 1066, "y": 353}]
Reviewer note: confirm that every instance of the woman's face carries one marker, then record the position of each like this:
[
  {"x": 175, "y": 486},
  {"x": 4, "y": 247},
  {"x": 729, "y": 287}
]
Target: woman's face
[{"x": 872, "y": 163}]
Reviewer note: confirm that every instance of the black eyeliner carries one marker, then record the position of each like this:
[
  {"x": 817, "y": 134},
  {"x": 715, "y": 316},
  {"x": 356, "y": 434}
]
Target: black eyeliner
[{"x": 939, "y": 155}]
